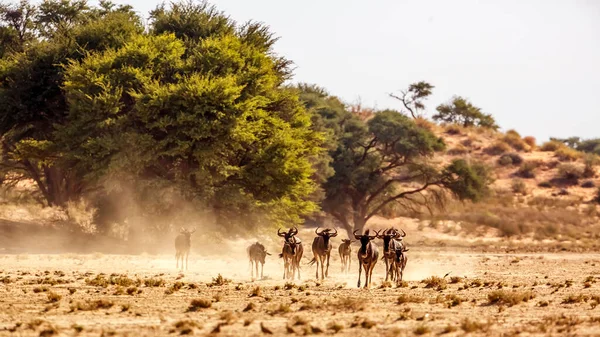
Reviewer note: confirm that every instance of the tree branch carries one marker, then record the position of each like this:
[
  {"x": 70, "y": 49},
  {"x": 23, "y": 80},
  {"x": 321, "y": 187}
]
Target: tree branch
[
  {"x": 400, "y": 196},
  {"x": 405, "y": 102}
]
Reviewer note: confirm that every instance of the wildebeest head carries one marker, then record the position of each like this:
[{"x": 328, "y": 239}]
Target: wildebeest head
[
  {"x": 326, "y": 234},
  {"x": 289, "y": 238},
  {"x": 364, "y": 239},
  {"x": 187, "y": 233},
  {"x": 390, "y": 234},
  {"x": 261, "y": 252}
]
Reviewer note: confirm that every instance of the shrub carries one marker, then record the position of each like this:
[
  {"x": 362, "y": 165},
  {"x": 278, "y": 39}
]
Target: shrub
[
  {"x": 513, "y": 133},
  {"x": 527, "y": 170},
  {"x": 435, "y": 282},
  {"x": 518, "y": 186},
  {"x": 424, "y": 123},
  {"x": 199, "y": 303},
  {"x": 567, "y": 154},
  {"x": 509, "y": 298},
  {"x": 529, "y": 140},
  {"x": 590, "y": 161},
  {"x": 453, "y": 129},
  {"x": 545, "y": 184},
  {"x": 570, "y": 172},
  {"x": 510, "y": 159},
  {"x": 458, "y": 150},
  {"x": 588, "y": 184},
  {"x": 499, "y": 147},
  {"x": 552, "y": 146},
  {"x": 516, "y": 142},
  {"x": 468, "y": 142}
]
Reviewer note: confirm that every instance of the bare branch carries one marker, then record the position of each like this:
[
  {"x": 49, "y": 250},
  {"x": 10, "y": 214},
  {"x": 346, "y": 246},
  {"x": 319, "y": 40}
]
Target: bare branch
[{"x": 400, "y": 196}]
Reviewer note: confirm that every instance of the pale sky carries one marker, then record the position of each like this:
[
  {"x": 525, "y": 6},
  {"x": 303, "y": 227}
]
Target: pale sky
[{"x": 533, "y": 64}]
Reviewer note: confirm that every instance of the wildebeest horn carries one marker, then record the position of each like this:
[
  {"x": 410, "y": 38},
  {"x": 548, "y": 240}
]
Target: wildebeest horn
[
  {"x": 194, "y": 230},
  {"x": 357, "y": 237},
  {"x": 374, "y": 236},
  {"x": 334, "y": 234},
  {"x": 267, "y": 253},
  {"x": 403, "y": 232},
  {"x": 317, "y": 231},
  {"x": 295, "y": 230},
  {"x": 279, "y": 233},
  {"x": 182, "y": 230}
]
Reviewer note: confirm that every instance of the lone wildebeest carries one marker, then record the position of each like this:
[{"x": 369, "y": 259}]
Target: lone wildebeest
[
  {"x": 291, "y": 253},
  {"x": 345, "y": 250},
  {"x": 257, "y": 254},
  {"x": 182, "y": 246},
  {"x": 321, "y": 248},
  {"x": 367, "y": 256}
]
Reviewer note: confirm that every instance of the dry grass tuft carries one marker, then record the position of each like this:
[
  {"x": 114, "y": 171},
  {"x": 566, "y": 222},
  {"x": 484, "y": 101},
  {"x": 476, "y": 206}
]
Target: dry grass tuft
[
  {"x": 499, "y": 147},
  {"x": 199, "y": 303},
  {"x": 509, "y": 298},
  {"x": 91, "y": 305},
  {"x": 567, "y": 154},
  {"x": 435, "y": 282},
  {"x": 407, "y": 298}
]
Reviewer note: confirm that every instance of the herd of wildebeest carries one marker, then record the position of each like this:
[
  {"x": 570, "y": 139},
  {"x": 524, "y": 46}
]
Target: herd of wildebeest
[{"x": 394, "y": 253}]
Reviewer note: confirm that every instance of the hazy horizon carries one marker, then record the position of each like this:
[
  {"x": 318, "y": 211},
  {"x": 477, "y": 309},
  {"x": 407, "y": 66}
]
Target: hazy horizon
[{"x": 532, "y": 64}]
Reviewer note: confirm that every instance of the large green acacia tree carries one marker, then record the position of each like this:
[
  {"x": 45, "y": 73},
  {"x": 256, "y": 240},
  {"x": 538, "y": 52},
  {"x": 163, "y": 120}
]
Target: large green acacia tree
[
  {"x": 386, "y": 161},
  {"x": 45, "y": 38},
  {"x": 193, "y": 104},
  {"x": 205, "y": 112}
]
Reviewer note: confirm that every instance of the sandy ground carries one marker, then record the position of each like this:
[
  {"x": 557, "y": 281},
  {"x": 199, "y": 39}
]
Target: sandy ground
[{"x": 58, "y": 294}]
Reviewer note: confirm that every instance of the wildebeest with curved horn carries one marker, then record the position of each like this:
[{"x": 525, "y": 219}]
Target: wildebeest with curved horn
[
  {"x": 321, "y": 248},
  {"x": 183, "y": 243},
  {"x": 257, "y": 254},
  {"x": 367, "y": 256},
  {"x": 291, "y": 252},
  {"x": 393, "y": 253},
  {"x": 345, "y": 250}
]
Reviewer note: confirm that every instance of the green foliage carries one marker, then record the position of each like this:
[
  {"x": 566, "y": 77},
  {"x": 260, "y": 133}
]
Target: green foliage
[
  {"x": 461, "y": 111},
  {"x": 413, "y": 98},
  {"x": 467, "y": 181}
]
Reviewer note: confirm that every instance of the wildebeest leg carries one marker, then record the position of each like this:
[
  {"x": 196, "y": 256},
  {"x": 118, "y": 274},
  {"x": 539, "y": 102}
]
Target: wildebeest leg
[
  {"x": 187, "y": 256},
  {"x": 387, "y": 267},
  {"x": 327, "y": 270},
  {"x": 322, "y": 267},
  {"x": 262, "y": 268},
  {"x": 177, "y": 260},
  {"x": 284, "y": 268},
  {"x": 359, "y": 272},
  {"x": 370, "y": 272},
  {"x": 349, "y": 259},
  {"x": 256, "y": 264}
]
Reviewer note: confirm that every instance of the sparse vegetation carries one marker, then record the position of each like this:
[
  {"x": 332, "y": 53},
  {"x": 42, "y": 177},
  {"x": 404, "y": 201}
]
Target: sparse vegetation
[
  {"x": 435, "y": 282},
  {"x": 199, "y": 303},
  {"x": 509, "y": 298},
  {"x": 510, "y": 159}
]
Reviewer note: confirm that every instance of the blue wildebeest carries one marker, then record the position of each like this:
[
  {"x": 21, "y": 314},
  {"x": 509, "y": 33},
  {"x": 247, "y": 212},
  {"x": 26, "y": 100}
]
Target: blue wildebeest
[
  {"x": 367, "y": 256},
  {"x": 321, "y": 248},
  {"x": 257, "y": 254},
  {"x": 345, "y": 250},
  {"x": 291, "y": 253},
  {"x": 393, "y": 254},
  {"x": 183, "y": 243}
]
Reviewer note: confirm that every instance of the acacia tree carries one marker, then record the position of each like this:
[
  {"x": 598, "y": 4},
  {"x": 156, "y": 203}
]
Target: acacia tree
[
  {"x": 413, "y": 98},
  {"x": 50, "y": 35},
  {"x": 460, "y": 111},
  {"x": 204, "y": 112},
  {"x": 385, "y": 162}
]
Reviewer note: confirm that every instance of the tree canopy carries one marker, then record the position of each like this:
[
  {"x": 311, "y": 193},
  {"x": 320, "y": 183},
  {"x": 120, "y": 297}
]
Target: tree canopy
[{"x": 460, "y": 111}]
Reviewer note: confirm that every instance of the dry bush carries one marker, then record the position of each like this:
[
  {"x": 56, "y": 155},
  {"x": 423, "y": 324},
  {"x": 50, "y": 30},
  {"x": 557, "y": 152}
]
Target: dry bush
[
  {"x": 90, "y": 305},
  {"x": 53, "y": 297},
  {"x": 219, "y": 281},
  {"x": 468, "y": 142},
  {"x": 513, "y": 133},
  {"x": 529, "y": 140},
  {"x": 516, "y": 142},
  {"x": 567, "y": 154},
  {"x": 590, "y": 161},
  {"x": 421, "y": 330},
  {"x": 518, "y": 186},
  {"x": 435, "y": 282},
  {"x": 527, "y": 169},
  {"x": 510, "y": 159},
  {"x": 551, "y": 146},
  {"x": 570, "y": 172},
  {"x": 453, "y": 129},
  {"x": 471, "y": 326},
  {"x": 545, "y": 184},
  {"x": 509, "y": 298},
  {"x": 407, "y": 298},
  {"x": 199, "y": 303},
  {"x": 424, "y": 123},
  {"x": 499, "y": 147},
  {"x": 458, "y": 150}
]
